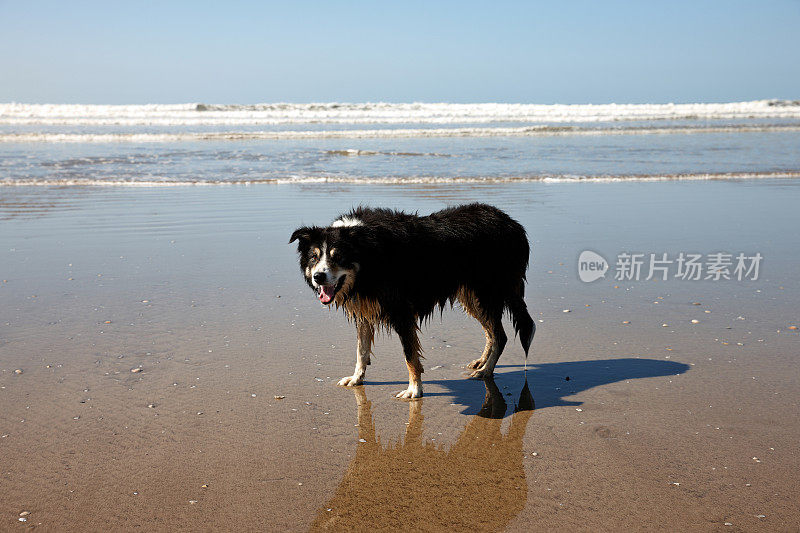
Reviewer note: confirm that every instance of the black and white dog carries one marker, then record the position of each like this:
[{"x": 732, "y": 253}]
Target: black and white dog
[{"x": 391, "y": 269}]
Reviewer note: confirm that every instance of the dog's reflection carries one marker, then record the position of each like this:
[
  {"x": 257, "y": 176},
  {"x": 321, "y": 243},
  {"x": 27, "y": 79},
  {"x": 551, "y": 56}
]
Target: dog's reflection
[{"x": 476, "y": 484}]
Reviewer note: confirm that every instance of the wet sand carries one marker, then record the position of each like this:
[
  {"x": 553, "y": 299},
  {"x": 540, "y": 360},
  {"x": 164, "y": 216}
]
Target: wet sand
[{"x": 234, "y": 420}]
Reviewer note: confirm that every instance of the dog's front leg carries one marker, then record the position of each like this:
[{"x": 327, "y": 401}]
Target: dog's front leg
[
  {"x": 411, "y": 349},
  {"x": 366, "y": 334}
]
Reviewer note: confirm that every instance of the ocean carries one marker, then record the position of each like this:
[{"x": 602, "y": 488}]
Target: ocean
[{"x": 204, "y": 144}]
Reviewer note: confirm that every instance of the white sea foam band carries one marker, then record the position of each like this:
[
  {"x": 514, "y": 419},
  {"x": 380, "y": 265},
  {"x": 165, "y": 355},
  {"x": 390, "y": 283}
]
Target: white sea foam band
[
  {"x": 389, "y": 180},
  {"x": 381, "y": 113},
  {"x": 530, "y": 131}
]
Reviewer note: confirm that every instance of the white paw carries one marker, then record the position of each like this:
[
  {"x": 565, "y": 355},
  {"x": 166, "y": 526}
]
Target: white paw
[
  {"x": 351, "y": 381},
  {"x": 409, "y": 393}
]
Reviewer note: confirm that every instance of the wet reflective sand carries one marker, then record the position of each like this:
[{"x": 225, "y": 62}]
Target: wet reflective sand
[
  {"x": 416, "y": 484},
  {"x": 612, "y": 426}
]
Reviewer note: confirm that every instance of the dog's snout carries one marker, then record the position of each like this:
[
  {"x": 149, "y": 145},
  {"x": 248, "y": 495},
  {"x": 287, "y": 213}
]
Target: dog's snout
[{"x": 320, "y": 277}]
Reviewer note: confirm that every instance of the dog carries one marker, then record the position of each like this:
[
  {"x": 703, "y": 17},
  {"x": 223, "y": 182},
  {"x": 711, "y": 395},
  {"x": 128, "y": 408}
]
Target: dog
[{"x": 389, "y": 269}]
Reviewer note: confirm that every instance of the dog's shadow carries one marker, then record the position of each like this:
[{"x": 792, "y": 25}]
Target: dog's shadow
[
  {"x": 478, "y": 482},
  {"x": 550, "y": 384}
]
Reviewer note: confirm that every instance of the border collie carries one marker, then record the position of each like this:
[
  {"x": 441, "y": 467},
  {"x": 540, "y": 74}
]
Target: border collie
[{"x": 391, "y": 269}]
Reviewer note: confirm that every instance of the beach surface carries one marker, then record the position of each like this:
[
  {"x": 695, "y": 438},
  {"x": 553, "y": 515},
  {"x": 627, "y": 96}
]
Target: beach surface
[{"x": 164, "y": 367}]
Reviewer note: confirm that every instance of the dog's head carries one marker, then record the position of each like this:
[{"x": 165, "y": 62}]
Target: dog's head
[{"x": 328, "y": 259}]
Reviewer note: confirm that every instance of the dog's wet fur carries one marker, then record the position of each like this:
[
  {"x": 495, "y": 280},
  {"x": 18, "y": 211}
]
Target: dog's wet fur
[{"x": 391, "y": 269}]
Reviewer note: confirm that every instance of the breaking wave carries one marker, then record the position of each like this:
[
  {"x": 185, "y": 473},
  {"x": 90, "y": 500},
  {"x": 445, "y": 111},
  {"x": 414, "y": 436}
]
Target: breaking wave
[
  {"x": 380, "y": 113},
  {"x": 389, "y": 180}
]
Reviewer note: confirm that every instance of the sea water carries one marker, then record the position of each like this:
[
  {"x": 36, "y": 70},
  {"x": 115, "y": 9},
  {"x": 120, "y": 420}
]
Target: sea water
[{"x": 204, "y": 144}]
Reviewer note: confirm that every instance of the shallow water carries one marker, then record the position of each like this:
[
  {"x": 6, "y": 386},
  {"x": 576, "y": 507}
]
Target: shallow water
[{"x": 422, "y": 160}]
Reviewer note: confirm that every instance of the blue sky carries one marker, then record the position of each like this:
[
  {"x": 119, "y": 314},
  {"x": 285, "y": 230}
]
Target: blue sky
[{"x": 435, "y": 51}]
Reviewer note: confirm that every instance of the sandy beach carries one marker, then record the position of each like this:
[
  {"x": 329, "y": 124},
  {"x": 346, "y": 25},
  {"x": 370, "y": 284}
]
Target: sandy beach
[{"x": 176, "y": 374}]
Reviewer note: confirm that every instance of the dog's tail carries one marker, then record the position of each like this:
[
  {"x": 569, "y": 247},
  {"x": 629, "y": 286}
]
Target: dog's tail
[{"x": 523, "y": 323}]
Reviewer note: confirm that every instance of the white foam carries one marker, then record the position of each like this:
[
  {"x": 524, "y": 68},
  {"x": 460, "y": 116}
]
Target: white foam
[
  {"x": 410, "y": 180},
  {"x": 398, "y": 133},
  {"x": 380, "y": 113}
]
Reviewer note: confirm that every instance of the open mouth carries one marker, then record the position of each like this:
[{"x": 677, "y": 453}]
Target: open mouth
[{"x": 326, "y": 293}]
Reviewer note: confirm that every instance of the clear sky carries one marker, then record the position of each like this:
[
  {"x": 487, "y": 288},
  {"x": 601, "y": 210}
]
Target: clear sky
[{"x": 435, "y": 51}]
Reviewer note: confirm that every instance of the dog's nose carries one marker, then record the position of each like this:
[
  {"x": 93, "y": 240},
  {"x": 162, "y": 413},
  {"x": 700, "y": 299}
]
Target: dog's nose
[{"x": 320, "y": 277}]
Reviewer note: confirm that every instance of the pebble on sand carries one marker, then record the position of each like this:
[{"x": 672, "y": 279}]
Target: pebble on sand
[
  {"x": 136, "y": 370},
  {"x": 664, "y": 325},
  {"x": 792, "y": 327},
  {"x": 279, "y": 397},
  {"x": 626, "y": 322},
  {"x": 565, "y": 311},
  {"x": 24, "y": 513},
  {"x": 18, "y": 371},
  {"x": 695, "y": 321}
]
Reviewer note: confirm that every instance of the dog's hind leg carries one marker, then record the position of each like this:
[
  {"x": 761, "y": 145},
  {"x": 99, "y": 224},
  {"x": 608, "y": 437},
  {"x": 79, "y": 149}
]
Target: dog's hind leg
[
  {"x": 487, "y": 349},
  {"x": 495, "y": 342},
  {"x": 491, "y": 320},
  {"x": 411, "y": 349},
  {"x": 471, "y": 306},
  {"x": 366, "y": 335}
]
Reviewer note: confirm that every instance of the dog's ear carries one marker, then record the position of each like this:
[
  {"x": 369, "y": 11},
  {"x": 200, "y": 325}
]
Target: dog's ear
[{"x": 303, "y": 234}]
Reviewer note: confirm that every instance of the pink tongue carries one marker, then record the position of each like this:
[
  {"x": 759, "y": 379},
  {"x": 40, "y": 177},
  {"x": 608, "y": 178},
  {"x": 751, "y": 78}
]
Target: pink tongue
[{"x": 326, "y": 293}]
